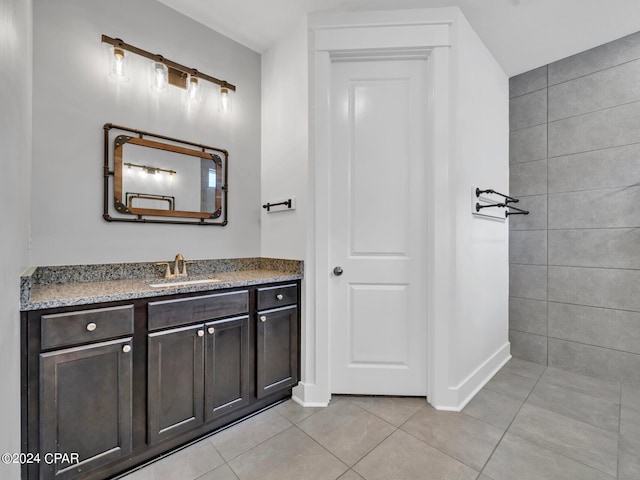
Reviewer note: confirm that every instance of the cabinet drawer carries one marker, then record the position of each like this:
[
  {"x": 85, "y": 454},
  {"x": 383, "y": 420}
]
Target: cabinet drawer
[
  {"x": 171, "y": 313},
  {"x": 86, "y": 326},
  {"x": 273, "y": 297}
]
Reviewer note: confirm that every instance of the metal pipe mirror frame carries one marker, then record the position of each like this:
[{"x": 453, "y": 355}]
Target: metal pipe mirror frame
[{"x": 114, "y": 141}]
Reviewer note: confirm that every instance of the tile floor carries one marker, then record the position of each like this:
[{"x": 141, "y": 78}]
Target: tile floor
[{"x": 529, "y": 422}]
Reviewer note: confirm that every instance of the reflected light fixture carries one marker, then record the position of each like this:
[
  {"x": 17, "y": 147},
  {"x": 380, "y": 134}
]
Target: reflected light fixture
[
  {"x": 167, "y": 72},
  {"x": 150, "y": 170}
]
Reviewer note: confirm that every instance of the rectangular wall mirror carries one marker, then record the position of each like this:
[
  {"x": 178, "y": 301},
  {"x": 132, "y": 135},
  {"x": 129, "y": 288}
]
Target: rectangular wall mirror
[{"x": 158, "y": 179}]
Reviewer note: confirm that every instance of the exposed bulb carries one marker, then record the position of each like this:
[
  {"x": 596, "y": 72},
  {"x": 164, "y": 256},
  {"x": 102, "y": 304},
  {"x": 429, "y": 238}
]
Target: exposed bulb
[
  {"x": 225, "y": 100},
  {"x": 118, "y": 65},
  {"x": 159, "y": 77},
  {"x": 193, "y": 90}
]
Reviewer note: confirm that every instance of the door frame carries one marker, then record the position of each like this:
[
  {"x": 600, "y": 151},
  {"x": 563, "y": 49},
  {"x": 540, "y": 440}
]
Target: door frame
[{"x": 379, "y": 35}]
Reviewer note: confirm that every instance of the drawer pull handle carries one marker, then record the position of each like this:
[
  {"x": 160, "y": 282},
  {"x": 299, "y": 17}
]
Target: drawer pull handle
[
  {"x": 91, "y": 327},
  {"x": 211, "y": 330},
  {"x": 201, "y": 333},
  {"x": 279, "y": 296},
  {"x": 263, "y": 318},
  {"x": 126, "y": 348}
]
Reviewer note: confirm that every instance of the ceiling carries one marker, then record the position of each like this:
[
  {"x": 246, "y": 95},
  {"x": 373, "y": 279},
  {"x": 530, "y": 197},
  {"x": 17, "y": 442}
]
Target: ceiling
[{"x": 521, "y": 34}]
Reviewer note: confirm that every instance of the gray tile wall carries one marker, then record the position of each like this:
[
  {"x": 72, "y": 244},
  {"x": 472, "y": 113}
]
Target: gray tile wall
[{"x": 575, "y": 259}]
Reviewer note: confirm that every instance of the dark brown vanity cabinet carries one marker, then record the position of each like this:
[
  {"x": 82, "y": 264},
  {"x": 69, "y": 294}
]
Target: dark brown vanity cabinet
[
  {"x": 123, "y": 384},
  {"x": 85, "y": 391},
  {"x": 277, "y": 339}
]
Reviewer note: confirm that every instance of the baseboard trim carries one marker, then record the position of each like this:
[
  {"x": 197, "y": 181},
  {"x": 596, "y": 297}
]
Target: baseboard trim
[{"x": 464, "y": 392}]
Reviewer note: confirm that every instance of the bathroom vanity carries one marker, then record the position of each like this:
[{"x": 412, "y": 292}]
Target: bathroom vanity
[{"x": 120, "y": 372}]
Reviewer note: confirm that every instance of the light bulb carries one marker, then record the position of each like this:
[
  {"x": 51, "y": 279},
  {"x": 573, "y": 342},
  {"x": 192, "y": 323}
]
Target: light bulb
[
  {"x": 193, "y": 90},
  {"x": 225, "y": 100},
  {"x": 159, "y": 77},
  {"x": 118, "y": 69}
]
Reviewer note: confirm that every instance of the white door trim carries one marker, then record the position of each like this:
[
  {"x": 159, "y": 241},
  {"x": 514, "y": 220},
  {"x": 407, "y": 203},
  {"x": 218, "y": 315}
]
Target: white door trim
[{"x": 340, "y": 41}]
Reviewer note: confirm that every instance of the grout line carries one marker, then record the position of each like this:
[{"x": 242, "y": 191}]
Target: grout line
[
  {"x": 576, "y": 304},
  {"x": 598, "y": 110},
  {"x": 571, "y": 266},
  {"x": 591, "y": 72},
  {"x": 611, "y": 147},
  {"x": 513, "y": 419},
  {"x": 547, "y": 224}
]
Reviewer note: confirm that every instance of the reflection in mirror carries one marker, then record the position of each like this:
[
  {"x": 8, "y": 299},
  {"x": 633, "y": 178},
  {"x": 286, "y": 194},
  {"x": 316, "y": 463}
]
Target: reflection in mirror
[{"x": 168, "y": 179}]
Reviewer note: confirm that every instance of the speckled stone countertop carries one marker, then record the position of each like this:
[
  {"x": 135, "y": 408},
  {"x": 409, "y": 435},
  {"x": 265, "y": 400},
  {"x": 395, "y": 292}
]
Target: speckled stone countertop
[{"x": 68, "y": 285}]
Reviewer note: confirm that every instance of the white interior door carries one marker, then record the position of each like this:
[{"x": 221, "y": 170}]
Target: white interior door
[{"x": 377, "y": 306}]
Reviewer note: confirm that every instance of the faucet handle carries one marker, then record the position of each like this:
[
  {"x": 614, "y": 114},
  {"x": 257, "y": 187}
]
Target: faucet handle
[
  {"x": 184, "y": 267},
  {"x": 167, "y": 272}
]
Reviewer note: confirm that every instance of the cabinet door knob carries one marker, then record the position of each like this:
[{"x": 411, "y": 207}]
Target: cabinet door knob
[
  {"x": 279, "y": 296},
  {"x": 338, "y": 271},
  {"x": 263, "y": 318},
  {"x": 201, "y": 333},
  {"x": 91, "y": 327},
  {"x": 126, "y": 348},
  {"x": 211, "y": 330}
]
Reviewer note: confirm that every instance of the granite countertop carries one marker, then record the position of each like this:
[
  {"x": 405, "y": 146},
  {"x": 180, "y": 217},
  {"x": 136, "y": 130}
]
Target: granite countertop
[{"x": 63, "y": 286}]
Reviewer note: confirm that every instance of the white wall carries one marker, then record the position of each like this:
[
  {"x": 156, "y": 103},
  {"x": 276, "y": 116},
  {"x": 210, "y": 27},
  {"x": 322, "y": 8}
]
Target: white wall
[
  {"x": 73, "y": 97},
  {"x": 480, "y": 153},
  {"x": 15, "y": 139},
  {"x": 285, "y": 168},
  {"x": 285, "y": 143}
]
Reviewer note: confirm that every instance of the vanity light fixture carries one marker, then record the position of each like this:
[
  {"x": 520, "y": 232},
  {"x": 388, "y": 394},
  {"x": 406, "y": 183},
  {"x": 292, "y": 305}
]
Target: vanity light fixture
[
  {"x": 167, "y": 72},
  {"x": 150, "y": 170},
  {"x": 159, "y": 77},
  {"x": 225, "y": 100},
  {"x": 193, "y": 89},
  {"x": 118, "y": 68}
]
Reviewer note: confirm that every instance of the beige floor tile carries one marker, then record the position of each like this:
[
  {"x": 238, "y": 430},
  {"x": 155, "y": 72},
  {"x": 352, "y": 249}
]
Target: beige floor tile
[
  {"x": 346, "y": 430},
  {"x": 245, "y": 435},
  {"x": 595, "y": 411},
  {"x": 512, "y": 385},
  {"x": 584, "y": 443},
  {"x": 524, "y": 368},
  {"x": 294, "y": 412},
  {"x": 223, "y": 472},
  {"x": 631, "y": 397},
  {"x": 395, "y": 410},
  {"x": 465, "y": 438},
  {"x": 494, "y": 408},
  {"x": 287, "y": 456},
  {"x": 186, "y": 464},
  {"x": 518, "y": 459},
  {"x": 403, "y": 457},
  {"x": 582, "y": 383},
  {"x": 350, "y": 475}
]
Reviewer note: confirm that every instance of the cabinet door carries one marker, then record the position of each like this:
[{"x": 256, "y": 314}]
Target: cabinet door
[
  {"x": 175, "y": 381},
  {"x": 85, "y": 406},
  {"x": 226, "y": 366},
  {"x": 277, "y": 337}
]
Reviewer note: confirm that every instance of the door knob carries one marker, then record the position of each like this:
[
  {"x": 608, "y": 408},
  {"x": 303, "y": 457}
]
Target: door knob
[{"x": 338, "y": 271}]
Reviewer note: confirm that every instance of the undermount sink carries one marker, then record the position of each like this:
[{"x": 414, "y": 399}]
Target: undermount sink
[{"x": 182, "y": 283}]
